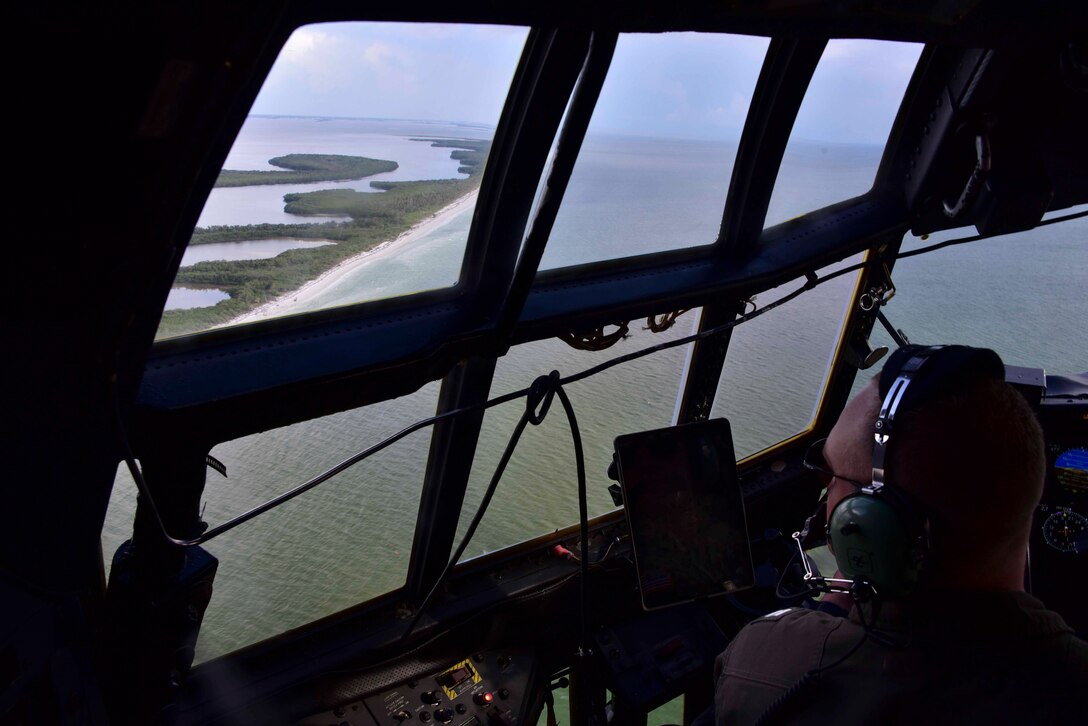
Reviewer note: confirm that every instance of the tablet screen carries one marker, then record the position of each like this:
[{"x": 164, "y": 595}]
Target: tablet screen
[{"x": 685, "y": 511}]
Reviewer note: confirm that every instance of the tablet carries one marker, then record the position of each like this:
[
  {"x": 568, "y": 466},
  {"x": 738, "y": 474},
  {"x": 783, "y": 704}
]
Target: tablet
[{"x": 684, "y": 508}]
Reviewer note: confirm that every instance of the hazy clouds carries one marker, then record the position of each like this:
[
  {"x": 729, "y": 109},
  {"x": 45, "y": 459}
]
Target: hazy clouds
[{"x": 685, "y": 85}]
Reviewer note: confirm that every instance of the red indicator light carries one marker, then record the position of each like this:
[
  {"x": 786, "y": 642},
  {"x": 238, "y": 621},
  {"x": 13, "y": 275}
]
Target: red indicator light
[{"x": 488, "y": 698}]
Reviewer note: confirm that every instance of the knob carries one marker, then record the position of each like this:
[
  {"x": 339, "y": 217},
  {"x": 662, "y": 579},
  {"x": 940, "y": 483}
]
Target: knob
[
  {"x": 430, "y": 698},
  {"x": 402, "y": 715},
  {"x": 443, "y": 715}
]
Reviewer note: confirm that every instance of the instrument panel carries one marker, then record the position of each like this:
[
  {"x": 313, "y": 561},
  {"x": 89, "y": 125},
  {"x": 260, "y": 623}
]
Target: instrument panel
[
  {"x": 1059, "y": 537},
  {"x": 1071, "y": 469},
  {"x": 482, "y": 689},
  {"x": 1064, "y": 526}
]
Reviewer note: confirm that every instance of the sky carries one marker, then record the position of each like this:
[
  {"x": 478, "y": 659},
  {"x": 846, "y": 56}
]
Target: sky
[{"x": 683, "y": 85}]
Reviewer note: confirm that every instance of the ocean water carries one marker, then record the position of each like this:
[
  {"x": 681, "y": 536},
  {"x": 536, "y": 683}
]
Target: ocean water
[
  {"x": 349, "y": 539},
  {"x": 183, "y": 298}
]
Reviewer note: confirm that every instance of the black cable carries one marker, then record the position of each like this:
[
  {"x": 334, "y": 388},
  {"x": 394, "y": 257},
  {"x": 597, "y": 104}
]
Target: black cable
[
  {"x": 604, "y": 556},
  {"x": 537, "y": 402},
  {"x": 701, "y": 335},
  {"x": 811, "y": 282},
  {"x": 536, "y": 407},
  {"x": 141, "y": 484},
  {"x": 978, "y": 237},
  {"x": 583, "y": 512},
  {"x": 782, "y": 578},
  {"x": 594, "y": 711},
  {"x": 947, "y": 243}
]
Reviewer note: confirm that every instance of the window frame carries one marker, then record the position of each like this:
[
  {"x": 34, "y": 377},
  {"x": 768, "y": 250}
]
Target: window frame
[{"x": 463, "y": 323}]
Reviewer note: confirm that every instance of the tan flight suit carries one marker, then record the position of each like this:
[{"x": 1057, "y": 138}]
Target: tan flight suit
[{"x": 957, "y": 658}]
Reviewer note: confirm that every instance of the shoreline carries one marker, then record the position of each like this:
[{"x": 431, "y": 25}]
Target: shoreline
[{"x": 285, "y": 304}]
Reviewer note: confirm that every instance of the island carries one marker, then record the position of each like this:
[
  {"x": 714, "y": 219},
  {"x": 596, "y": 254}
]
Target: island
[
  {"x": 307, "y": 168},
  {"x": 376, "y": 218}
]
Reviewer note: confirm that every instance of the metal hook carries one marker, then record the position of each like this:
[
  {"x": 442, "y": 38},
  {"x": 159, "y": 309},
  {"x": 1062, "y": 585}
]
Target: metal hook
[{"x": 974, "y": 182}]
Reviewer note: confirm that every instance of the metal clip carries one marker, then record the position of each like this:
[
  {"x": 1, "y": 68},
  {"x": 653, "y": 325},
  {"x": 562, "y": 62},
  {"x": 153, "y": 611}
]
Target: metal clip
[{"x": 880, "y": 294}]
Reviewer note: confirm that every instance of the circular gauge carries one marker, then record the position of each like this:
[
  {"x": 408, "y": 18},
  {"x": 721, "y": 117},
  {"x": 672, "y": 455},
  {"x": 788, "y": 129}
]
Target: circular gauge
[
  {"x": 1071, "y": 469},
  {"x": 1066, "y": 531}
]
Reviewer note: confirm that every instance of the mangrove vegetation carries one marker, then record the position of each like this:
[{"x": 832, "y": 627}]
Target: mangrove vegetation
[
  {"x": 306, "y": 168},
  {"x": 375, "y": 218},
  {"x": 403, "y": 201}
]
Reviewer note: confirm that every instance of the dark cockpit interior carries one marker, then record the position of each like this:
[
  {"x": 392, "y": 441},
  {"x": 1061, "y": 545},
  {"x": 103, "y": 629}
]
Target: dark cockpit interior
[{"x": 243, "y": 493}]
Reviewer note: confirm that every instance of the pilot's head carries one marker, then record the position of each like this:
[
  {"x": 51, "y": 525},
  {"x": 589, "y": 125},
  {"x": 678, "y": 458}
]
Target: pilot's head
[{"x": 972, "y": 457}]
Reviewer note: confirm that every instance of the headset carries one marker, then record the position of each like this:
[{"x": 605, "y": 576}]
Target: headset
[{"x": 879, "y": 534}]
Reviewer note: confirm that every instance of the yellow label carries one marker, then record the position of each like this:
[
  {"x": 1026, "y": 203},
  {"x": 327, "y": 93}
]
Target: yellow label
[{"x": 454, "y": 683}]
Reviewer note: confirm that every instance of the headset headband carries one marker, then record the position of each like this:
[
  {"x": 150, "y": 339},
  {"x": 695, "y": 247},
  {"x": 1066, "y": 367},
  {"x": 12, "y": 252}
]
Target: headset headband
[
  {"x": 926, "y": 372},
  {"x": 892, "y": 401}
]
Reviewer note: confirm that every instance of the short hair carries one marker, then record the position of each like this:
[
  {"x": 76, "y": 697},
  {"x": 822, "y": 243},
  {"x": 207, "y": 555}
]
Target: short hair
[{"x": 974, "y": 458}]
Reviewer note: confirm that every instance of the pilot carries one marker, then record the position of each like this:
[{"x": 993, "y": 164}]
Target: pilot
[{"x": 956, "y": 639}]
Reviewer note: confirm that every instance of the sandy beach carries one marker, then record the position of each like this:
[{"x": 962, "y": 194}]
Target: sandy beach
[{"x": 297, "y": 300}]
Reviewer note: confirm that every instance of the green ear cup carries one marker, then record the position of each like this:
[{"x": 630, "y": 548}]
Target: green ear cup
[{"x": 870, "y": 539}]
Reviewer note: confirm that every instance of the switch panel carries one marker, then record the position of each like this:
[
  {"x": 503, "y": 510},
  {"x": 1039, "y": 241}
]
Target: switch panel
[{"x": 483, "y": 688}]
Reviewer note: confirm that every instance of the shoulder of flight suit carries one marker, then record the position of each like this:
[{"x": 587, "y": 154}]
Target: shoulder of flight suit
[
  {"x": 772, "y": 653},
  {"x": 782, "y": 644},
  {"x": 981, "y": 666}
]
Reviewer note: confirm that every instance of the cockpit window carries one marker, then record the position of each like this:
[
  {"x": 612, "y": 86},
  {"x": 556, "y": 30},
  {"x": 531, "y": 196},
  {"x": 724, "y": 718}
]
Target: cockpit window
[
  {"x": 842, "y": 125},
  {"x": 320, "y": 553},
  {"x": 354, "y": 177},
  {"x": 778, "y": 364},
  {"x": 538, "y": 492},
  {"x": 980, "y": 294},
  {"x": 655, "y": 166}
]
